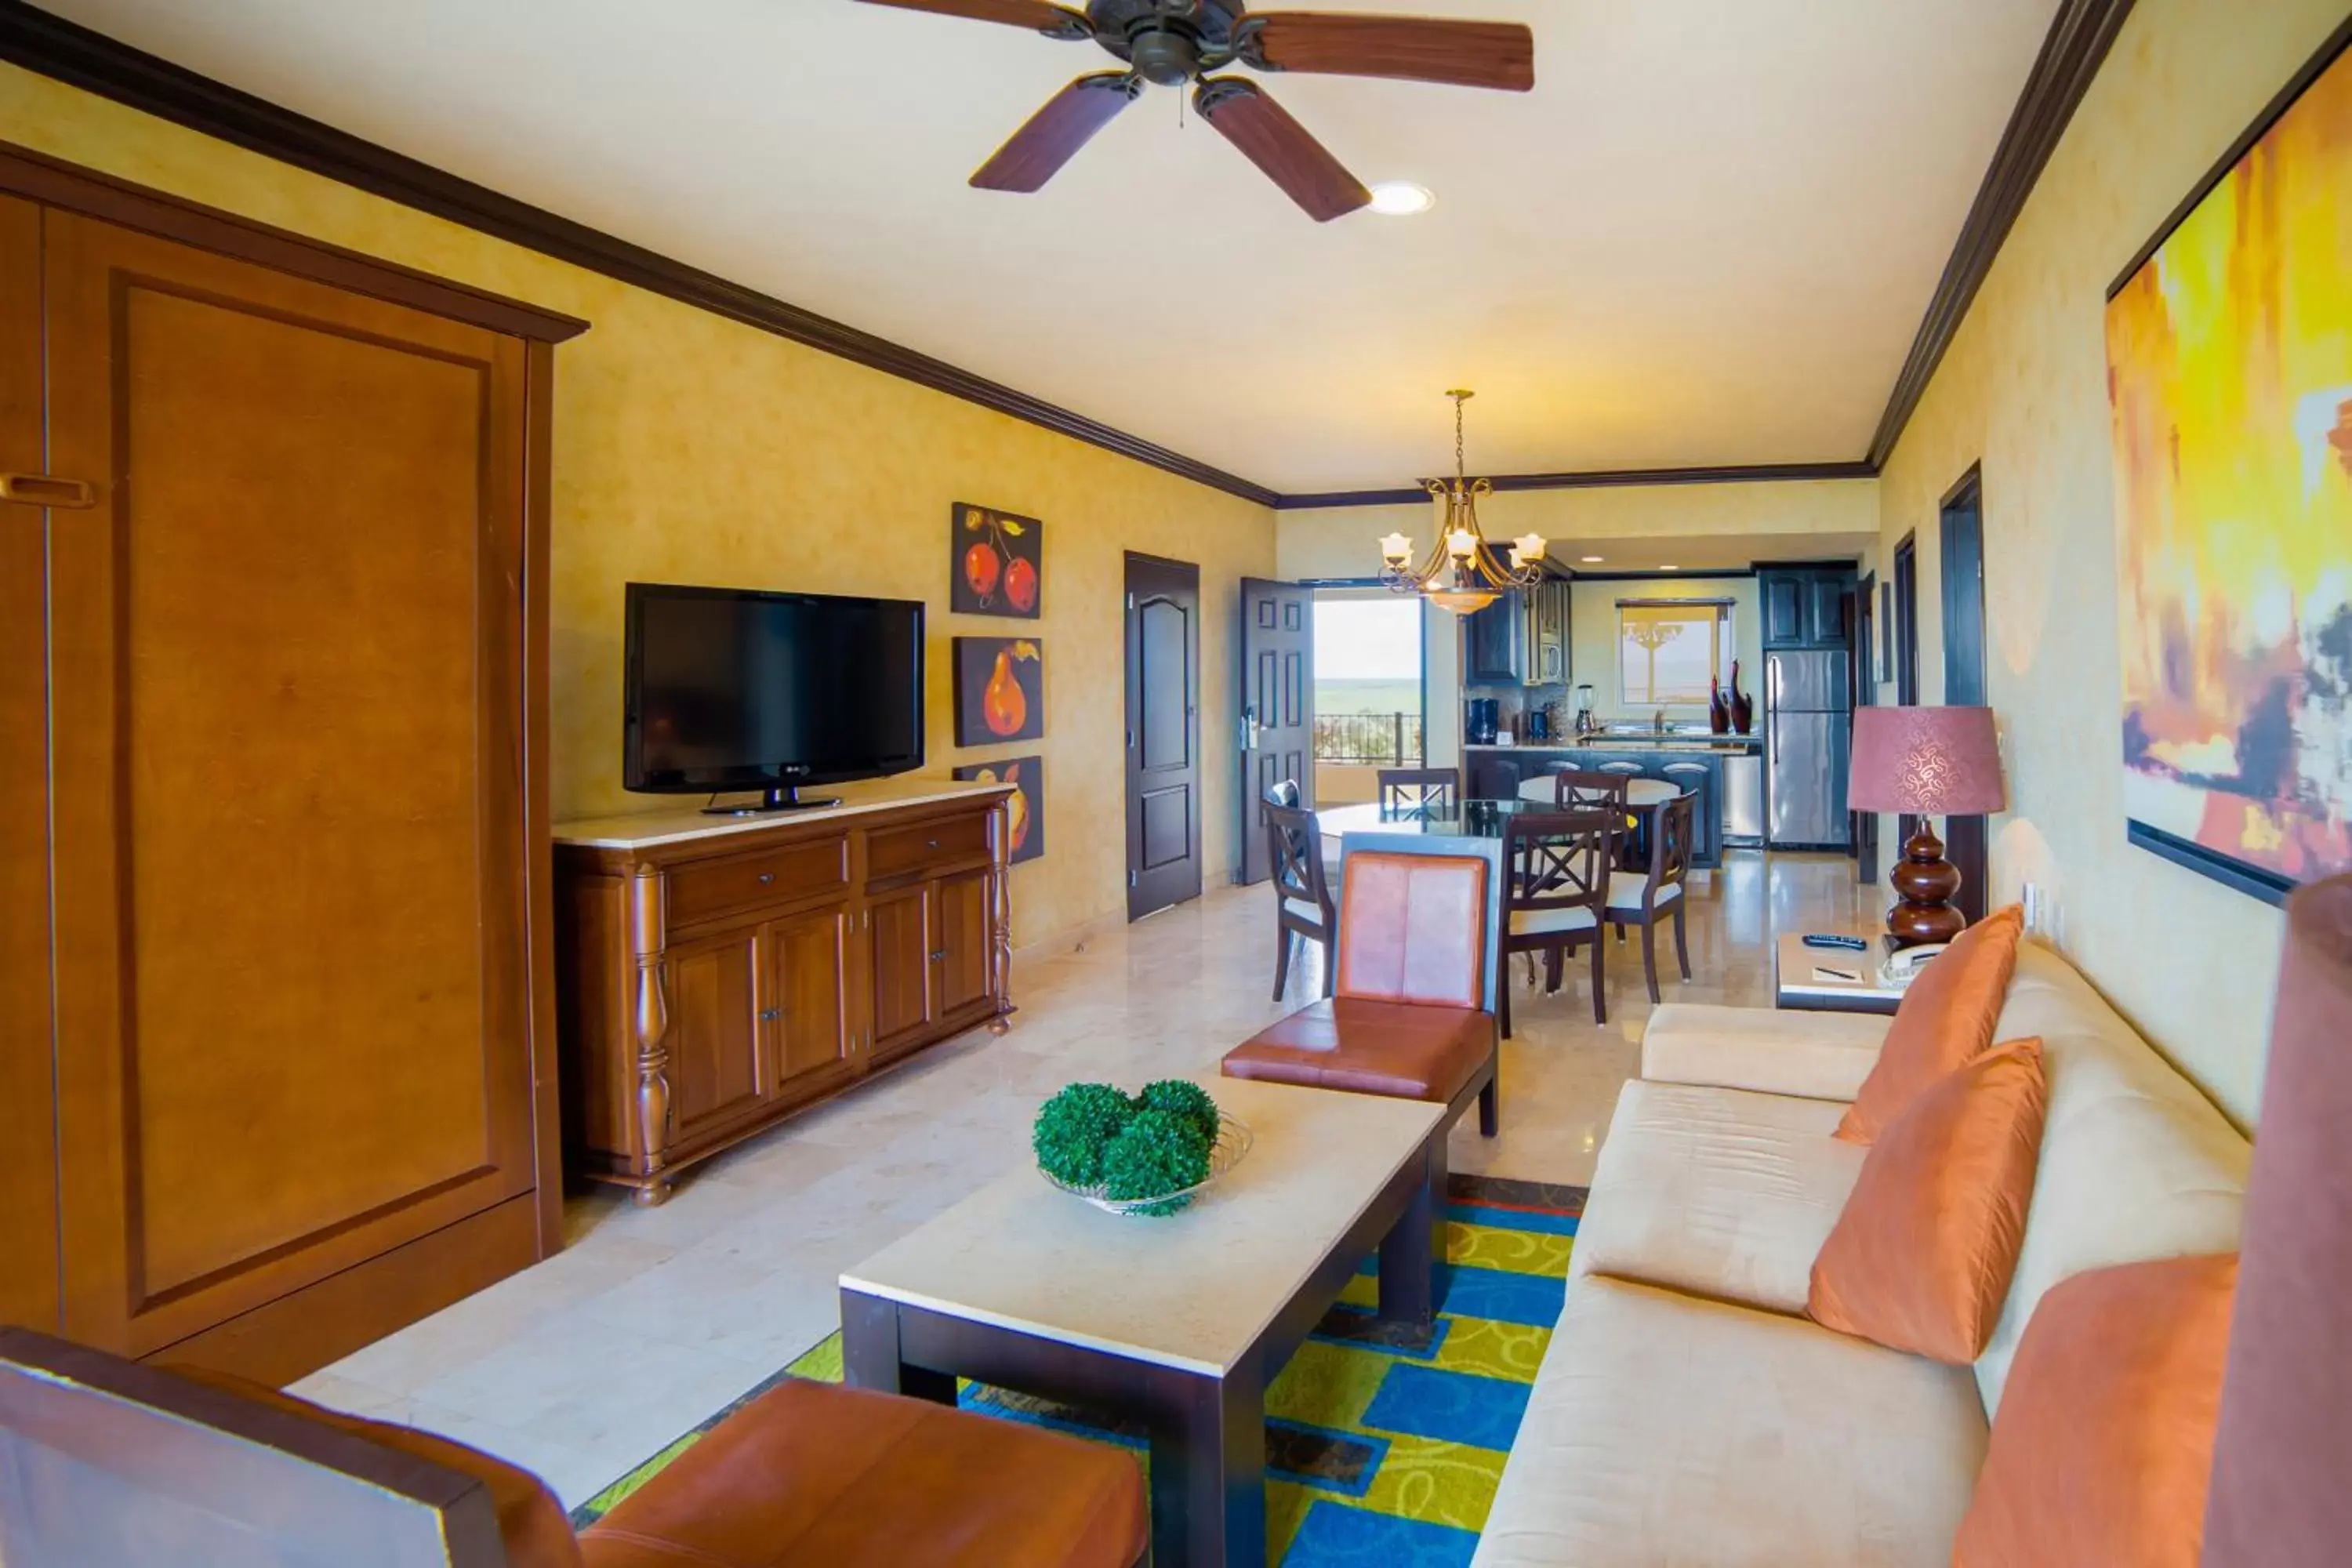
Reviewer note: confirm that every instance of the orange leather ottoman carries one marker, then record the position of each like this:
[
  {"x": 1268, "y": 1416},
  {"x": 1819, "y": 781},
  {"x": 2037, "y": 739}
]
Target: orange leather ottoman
[{"x": 813, "y": 1474}]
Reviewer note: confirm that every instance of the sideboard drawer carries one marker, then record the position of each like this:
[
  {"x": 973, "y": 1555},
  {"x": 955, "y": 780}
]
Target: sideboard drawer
[
  {"x": 705, "y": 888},
  {"x": 950, "y": 840}
]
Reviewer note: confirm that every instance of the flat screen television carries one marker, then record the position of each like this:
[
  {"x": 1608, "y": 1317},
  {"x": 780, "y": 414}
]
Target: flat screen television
[{"x": 728, "y": 689}]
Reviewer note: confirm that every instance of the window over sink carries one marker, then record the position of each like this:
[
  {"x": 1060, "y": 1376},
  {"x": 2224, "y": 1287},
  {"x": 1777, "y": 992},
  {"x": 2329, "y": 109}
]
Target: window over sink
[{"x": 1670, "y": 652}]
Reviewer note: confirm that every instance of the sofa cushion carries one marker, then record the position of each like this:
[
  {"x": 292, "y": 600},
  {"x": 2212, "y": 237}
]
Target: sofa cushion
[
  {"x": 2135, "y": 1163},
  {"x": 1717, "y": 1192},
  {"x": 817, "y": 1475},
  {"x": 1372, "y": 1047},
  {"x": 1664, "y": 1429},
  {"x": 2105, "y": 1441},
  {"x": 1921, "y": 1258},
  {"x": 1944, "y": 1019},
  {"x": 1821, "y": 1055}
]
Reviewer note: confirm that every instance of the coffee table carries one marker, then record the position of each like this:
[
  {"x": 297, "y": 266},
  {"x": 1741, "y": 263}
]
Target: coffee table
[{"x": 1178, "y": 1322}]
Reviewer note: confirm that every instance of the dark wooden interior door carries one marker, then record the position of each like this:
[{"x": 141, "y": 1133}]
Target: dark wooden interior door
[
  {"x": 1966, "y": 838},
  {"x": 1163, "y": 733},
  {"x": 28, "y": 1171},
  {"x": 1907, "y": 650},
  {"x": 1277, "y": 706},
  {"x": 1862, "y": 663},
  {"x": 291, "y": 879}
]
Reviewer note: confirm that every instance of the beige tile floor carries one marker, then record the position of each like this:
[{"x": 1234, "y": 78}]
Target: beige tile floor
[{"x": 652, "y": 1318}]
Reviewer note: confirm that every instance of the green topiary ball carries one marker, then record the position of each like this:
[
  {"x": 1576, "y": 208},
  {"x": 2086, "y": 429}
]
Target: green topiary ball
[
  {"x": 1074, "y": 1129},
  {"x": 1182, "y": 1098},
  {"x": 1157, "y": 1152}
]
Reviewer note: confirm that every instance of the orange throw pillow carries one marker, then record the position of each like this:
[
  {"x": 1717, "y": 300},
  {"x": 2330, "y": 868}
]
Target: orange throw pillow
[
  {"x": 1944, "y": 1019},
  {"x": 1920, "y": 1258},
  {"x": 2104, "y": 1437}
]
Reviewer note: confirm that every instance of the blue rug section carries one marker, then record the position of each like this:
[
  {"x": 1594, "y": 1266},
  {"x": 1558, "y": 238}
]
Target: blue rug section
[
  {"x": 1336, "y": 1536},
  {"x": 1500, "y": 1295},
  {"x": 1448, "y": 1407},
  {"x": 1512, "y": 1220}
]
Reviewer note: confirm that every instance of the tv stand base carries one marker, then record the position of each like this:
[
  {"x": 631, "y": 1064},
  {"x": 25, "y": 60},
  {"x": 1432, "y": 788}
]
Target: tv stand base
[{"x": 785, "y": 799}]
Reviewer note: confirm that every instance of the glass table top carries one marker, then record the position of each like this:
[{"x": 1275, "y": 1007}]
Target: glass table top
[{"x": 1469, "y": 819}]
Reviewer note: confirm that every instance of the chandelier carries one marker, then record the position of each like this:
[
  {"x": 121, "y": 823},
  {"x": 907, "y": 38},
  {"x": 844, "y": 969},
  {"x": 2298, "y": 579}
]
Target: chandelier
[{"x": 1462, "y": 573}]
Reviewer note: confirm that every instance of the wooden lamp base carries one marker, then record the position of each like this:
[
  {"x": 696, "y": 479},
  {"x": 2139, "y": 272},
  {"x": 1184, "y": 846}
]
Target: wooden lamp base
[{"x": 1924, "y": 882}]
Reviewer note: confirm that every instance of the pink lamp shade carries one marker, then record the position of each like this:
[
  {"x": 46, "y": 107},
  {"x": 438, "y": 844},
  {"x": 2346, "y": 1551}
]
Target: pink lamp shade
[{"x": 1937, "y": 761}]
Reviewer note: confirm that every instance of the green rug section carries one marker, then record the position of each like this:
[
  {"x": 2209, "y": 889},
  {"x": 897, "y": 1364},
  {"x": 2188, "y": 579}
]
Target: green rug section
[{"x": 1374, "y": 1454}]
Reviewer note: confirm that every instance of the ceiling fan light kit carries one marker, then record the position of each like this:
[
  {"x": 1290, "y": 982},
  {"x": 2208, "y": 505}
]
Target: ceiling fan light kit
[{"x": 1176, "y": 43}]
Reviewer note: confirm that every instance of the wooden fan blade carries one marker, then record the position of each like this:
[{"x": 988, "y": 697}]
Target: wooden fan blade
[
  {"x": 1268, "y": 137},
  {"x": 1035, "y": 152},
  {"x": 1414, "y": 49},
  {"x": 1037, "y": 15}
]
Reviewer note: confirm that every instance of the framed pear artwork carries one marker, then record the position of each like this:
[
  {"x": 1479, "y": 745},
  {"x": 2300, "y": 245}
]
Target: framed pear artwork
[
  {"x": 1000, "y": 690},
  {"x": 996, "y": 563},
  {"x": 1024, "y": 808}
]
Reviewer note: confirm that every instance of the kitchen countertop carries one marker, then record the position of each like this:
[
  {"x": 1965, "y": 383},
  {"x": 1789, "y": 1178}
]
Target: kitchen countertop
[{"x": 1666, "y": 742}]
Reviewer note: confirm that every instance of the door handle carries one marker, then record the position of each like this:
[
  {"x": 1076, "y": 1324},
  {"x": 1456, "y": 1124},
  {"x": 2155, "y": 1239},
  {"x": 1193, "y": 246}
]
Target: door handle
[{"x": 41, "y": 489}]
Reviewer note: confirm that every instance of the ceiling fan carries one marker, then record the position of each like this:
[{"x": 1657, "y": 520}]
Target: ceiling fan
[{"x": 1168, "y": 43}]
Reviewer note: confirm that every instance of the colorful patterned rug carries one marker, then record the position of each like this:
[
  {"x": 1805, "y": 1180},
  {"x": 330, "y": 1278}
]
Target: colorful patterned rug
[{"x": 1374, "y": 1455}]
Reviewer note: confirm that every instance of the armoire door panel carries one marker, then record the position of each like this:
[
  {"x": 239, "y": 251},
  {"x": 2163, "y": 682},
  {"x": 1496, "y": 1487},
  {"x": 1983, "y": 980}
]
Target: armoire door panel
[
  {"x": 292, "y": 970},
  {"x": 28, "y": 1169}
]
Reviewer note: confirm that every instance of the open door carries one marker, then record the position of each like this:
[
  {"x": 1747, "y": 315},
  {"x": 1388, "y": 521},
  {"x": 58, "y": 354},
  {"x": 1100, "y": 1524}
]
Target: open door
[
  {"x": 1862, "y": 661},
  {"x": 1277, "y": 707},
  {"x": 1163, "y": 733},
  {"x": 1967, "y": 842}
]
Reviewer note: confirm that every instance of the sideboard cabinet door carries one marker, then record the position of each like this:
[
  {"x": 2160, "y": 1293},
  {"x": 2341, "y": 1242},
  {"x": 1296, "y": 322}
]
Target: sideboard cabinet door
[
  {"x": 290, "y": 863},
  {"x": 807, "y": 1001},
  {"x": 718, "y": 1076},
  {"x": 903, "y": 993},
  {"x": 959, "y": 951}
]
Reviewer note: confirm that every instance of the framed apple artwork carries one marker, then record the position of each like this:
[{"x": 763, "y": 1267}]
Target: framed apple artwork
[
  {"x": 996, "y": 563},
  {"x": 1000, "y": 690},
  {"x": 1024, "y": 808}
]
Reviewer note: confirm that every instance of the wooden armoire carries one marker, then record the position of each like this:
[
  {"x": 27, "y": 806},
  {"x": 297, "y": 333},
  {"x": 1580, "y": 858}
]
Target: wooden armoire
[{"x": 276, "y": 1036}]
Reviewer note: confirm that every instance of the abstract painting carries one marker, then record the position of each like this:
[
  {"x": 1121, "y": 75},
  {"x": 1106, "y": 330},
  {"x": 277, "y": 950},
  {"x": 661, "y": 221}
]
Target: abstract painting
[
  {"x": 1000, "y": 690},
  {"x": 996, "y": 563},
  {"x": 2230, "y": 383},
  {"x": 1026, "y": 805}
]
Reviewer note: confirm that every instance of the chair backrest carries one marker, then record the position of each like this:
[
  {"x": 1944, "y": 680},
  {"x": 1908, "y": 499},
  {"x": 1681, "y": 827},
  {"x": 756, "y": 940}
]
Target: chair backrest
[
  {"x": 1294, "y": 851},
  {"x": 1559, "y": 860},
  {"x": 1413, "y": 929},
  {"x": 1408, "y": 789},
  {"x": 1588, "y": 787},
  {"x": 108, "y": 1460},
  {"x": 1670, "y": 843},
  {"x": 1284, "y": 794}
]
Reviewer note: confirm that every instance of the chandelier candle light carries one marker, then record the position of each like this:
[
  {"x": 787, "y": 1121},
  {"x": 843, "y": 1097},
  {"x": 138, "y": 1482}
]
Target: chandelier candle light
[{"x": 1462, "y": 573}]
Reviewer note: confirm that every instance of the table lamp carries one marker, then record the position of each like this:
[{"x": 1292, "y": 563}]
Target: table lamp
[{"x": 1935, "y": 762}]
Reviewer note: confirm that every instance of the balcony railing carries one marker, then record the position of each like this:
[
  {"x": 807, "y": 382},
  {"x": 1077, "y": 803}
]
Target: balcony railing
[{"x": 1369, "y": 739}]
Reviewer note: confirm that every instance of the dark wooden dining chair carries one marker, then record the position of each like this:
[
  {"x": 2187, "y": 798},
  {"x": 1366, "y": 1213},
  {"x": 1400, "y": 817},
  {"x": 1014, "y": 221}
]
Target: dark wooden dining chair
[
  {"x": 1404, "y": 791},
  {"x": 1643, "y": 898},
  {"x": 1303, "y": 908},
  {"x": 1558, "y": 863},
  {"x": 1575, "y": 788}
]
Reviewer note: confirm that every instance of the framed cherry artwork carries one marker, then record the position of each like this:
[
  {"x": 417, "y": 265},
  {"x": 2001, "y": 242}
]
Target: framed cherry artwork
[
  {"x": 1026, "y": 805},
  {"x": 1000, "y": 690},
  {"x": 996, "y": 563}
]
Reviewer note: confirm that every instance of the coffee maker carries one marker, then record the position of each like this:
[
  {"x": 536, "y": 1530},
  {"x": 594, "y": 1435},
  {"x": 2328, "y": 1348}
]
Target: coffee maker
[{"x": 1483, "y": 718}]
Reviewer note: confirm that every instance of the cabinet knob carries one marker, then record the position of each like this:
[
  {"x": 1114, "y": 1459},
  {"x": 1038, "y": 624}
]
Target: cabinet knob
[
  {"x": 933, "y": 843},
  {"x": 766, "y": 878},
  {"x": 941, "y": 956},
  {"x": 769, "y": 1015}
]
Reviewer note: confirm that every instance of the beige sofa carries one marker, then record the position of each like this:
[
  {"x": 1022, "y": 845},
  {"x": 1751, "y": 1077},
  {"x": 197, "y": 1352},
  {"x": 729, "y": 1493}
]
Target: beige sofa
[{"x": 1687, "y": 1413}]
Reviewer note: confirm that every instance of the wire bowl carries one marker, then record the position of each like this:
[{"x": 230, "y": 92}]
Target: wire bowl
[{"x": 1233, "y": 1141}]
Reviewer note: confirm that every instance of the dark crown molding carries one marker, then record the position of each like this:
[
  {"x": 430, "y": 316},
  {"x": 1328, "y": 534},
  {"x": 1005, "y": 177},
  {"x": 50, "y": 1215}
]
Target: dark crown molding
[{"x": 2078, "y": 41}]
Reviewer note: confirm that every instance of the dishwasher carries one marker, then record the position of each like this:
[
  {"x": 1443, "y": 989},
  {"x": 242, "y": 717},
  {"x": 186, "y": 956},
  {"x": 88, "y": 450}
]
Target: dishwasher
[{"x": 1743, "y": 798}]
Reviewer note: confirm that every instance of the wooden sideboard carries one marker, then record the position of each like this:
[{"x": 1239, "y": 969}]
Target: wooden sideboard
[{"x": 714, "y": 975}]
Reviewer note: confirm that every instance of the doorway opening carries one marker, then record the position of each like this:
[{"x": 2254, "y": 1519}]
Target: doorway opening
[
  {"x": 1370, "y": 702},
  {"x": 1966, "y": 838}
]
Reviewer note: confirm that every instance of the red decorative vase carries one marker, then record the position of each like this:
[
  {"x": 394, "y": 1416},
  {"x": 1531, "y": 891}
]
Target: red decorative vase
[
  {"x": 1743, "y": 707},
  {"x": 1719, "y": 715}
]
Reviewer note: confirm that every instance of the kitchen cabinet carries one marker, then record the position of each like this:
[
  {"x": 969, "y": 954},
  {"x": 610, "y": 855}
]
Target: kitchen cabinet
[
  {"x": 1805, "y": 607},
  {"x": 1520, "y": 639}
]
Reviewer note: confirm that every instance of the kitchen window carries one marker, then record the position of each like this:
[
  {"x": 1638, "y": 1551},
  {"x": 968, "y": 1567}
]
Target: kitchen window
[{"x": 1670, "y": 652}]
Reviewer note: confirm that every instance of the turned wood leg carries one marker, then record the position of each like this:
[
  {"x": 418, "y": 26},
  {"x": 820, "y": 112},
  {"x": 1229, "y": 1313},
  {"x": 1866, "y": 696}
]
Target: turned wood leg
[
  {"x": 652, "y": 1195},
  {"x": 999, "y": 899},
  {"x": 650, "y": 1024}
]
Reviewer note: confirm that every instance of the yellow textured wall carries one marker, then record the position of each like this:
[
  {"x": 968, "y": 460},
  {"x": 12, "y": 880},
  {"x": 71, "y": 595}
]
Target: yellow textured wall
[
  {"x": 689, "y": 448},
  {"x": 2024, "y": 388}
]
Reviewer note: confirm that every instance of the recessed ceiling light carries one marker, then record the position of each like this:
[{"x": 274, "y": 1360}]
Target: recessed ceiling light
[
  {"x": 1590, "y": 559},
  {"x": 1669, "y": 568},
  {"x": 1402, "y": 199}
]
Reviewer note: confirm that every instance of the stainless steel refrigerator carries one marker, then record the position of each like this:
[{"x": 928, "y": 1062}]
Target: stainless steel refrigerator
[{"x": 1808, "y": 738}]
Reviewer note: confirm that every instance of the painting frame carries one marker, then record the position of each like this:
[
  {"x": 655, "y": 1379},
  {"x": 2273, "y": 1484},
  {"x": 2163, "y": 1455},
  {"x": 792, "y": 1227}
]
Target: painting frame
[
  {"x": 2200, "y": 744},
  {"x": 1000, "y": 690},
  {"x": 996, "y": 563},
  {"x": 1025, "y": 830}
]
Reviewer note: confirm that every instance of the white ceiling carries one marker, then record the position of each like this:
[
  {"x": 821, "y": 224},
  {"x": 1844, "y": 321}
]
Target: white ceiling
[{"x": 1706, "y": 238}]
